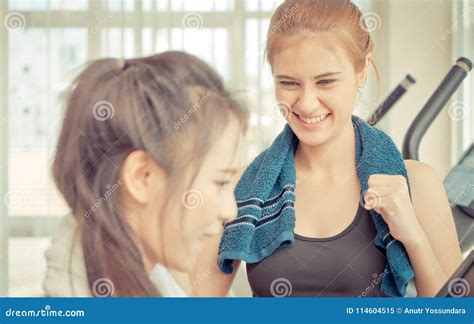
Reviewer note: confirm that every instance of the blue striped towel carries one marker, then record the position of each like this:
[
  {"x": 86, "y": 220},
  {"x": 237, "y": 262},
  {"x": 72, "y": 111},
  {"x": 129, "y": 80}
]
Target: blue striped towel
[{"x": 265, "y": 199}]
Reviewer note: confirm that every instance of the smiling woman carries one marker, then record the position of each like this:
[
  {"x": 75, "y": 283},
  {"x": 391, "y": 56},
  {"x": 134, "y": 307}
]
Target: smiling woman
[{"x": 353, "y": 218}]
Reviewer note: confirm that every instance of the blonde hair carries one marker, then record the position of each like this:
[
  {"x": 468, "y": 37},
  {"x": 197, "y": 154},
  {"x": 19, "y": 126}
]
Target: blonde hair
[{"x": 322, "y": 16}]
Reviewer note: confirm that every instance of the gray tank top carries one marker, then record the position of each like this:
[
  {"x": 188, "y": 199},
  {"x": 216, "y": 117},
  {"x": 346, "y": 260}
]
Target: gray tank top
[{"x": 345, "y": 265}]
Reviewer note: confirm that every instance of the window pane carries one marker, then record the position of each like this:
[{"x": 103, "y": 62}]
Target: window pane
[
  {"x": 264, "y": 5},
  {"x": 220, "y": 56},
  {"x": 193, "y": 5},
  {"x": 223, "y": 5},
  {"x": 211, "y": 45},
  {"x": 162, "y": 41},
  {"x": 28, "y": 5},
  {"x": 34, "y": 5},
  {"x": 35, "y": 112},
  {"x": 119, "y": 5},
  {"x": 118, "y": 42},
  {"x": 68, "y": 4}
]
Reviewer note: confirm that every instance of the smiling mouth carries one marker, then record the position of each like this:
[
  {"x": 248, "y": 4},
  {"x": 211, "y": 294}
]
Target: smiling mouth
[{"x": 313, "y": 120}]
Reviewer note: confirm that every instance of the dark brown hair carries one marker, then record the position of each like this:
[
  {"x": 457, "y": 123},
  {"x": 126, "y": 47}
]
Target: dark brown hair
[{"x": 172, "y": 106}]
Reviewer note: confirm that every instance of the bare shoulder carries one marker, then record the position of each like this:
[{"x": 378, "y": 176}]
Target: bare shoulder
[
  {"x": 422, "y": 173},
  {"x": 426, "y": 187}
]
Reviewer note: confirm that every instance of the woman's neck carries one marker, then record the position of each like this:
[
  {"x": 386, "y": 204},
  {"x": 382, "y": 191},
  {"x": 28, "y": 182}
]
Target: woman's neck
[{"x": 328, "y": 160}]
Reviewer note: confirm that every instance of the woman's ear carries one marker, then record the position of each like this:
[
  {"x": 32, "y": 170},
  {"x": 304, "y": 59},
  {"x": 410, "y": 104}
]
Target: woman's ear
[
  {"x": 363, "y": 75},
  {"x": 138, "y": 176}
]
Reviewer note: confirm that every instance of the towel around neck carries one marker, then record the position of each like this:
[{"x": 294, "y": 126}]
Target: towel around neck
[{"x": 265, "y": 199}]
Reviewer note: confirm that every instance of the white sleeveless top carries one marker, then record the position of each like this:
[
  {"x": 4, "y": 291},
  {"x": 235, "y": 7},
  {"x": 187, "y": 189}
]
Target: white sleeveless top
[{"x": 66, "y": 272}]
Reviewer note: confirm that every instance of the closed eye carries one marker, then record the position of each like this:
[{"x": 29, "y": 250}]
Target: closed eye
[
  {"x": 327, "y": 81},
  {"x": 222, "y": 183},
  {"x": 288, "y": 83}
]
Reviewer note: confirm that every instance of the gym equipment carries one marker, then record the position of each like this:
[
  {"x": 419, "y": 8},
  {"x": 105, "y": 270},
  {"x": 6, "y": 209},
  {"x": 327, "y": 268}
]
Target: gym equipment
[
  {"x": 461, "y": 282},
  {"x": 459, "y": 183},
  {"x": 459, "y": 186},
  {"x": 433, "y": 106},
  {"x": 394, "y": 96}
]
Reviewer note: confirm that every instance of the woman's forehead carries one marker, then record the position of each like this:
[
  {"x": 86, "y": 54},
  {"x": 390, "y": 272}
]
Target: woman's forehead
[{"x": 313, "y": 53}]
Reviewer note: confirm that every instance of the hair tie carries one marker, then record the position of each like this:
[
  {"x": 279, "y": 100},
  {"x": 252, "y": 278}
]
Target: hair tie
[{"x": 121, "y": 63}]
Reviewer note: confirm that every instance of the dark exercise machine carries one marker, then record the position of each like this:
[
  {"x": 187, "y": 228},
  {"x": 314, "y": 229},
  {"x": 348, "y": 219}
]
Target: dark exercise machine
[
  {"x": 394, "y": 96},
  {"x": 459, "y": 183}
]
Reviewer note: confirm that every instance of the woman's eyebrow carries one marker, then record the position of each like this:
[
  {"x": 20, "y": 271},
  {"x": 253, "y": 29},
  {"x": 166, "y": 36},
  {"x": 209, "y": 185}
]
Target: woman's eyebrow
[
  {"x": 316, "y": 77},
  {"x": 326, "y": 74},
  {"x": 283, "y": 77}
]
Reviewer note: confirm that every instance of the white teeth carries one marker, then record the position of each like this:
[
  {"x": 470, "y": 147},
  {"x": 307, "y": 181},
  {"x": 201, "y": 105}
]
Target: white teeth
[{"x": 313, "y": 120}]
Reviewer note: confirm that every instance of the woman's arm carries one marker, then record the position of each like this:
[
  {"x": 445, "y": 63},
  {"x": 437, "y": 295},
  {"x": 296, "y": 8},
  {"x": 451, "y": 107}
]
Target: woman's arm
[
  {"x": 424, "y": 224},
  {"x": 435, "y": 253}
]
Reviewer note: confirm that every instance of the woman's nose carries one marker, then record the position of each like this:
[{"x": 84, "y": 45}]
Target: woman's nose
[
  {"x": 308, "y": 102},
  {"x": 229, "y": 211}
]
